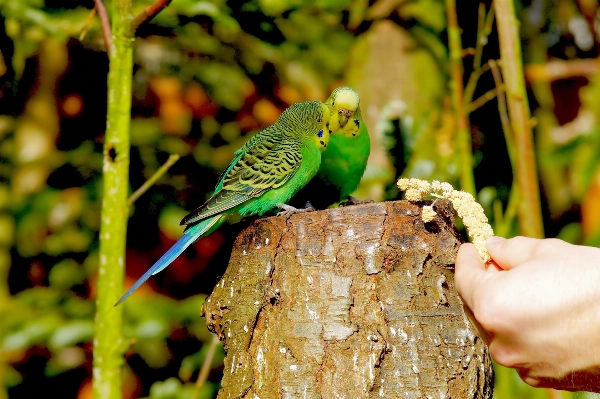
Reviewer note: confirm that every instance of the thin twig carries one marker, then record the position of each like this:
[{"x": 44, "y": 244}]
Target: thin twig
[
  {"x": 480, "y": 29},
  {"x": 153, "y": 179},
  {"x": 503, "y": 227},
  {"x": 86, "y": 26},
  {"x": 502, "y": 110},
  {"x": 148, "y": 13},
  {"x": 105, "y": 22},
  {"x": 484, "y": 98},
  {"x": 484, "y": 28},
  {"x": 463, "y": 133},
  {"x": 483, "y": 34},
  {"x": 561, "y": 69},
  {"x": 468, "y": 51},
  {"x": 203, "y": 375}
]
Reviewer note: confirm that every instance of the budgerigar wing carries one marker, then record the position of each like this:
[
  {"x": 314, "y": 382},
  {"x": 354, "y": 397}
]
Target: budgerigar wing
[{"x": 266, "y": 164}]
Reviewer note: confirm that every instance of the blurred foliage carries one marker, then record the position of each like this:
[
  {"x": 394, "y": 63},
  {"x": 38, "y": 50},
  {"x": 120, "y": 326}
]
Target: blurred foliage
[{"x": 208, "y": 75}]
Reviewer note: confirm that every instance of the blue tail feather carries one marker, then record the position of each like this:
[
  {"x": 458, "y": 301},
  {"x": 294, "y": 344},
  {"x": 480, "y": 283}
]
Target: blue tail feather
[{"x": 185, "y": 241}]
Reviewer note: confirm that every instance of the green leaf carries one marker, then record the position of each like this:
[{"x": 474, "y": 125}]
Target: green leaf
[
  {"x": 169, "y": 219},
  {"x": 172, "y": 388},
  {"x": 155, "y": 352},
  {"x": 150, "y": 329},
  {"x": 11, "y": 377},
  {"x": 227, "y": 83},
  {"x": 76, "y": 307},
  {"x": 73, "y": 332},
  {"x": 190, "y": 308},
  {"x": 65, "y": 359},
  {"x": 66, "y": 274},
  {"x": 145, "y": 131},
  {"x": 31, "y": 333},
  {"x": 166, "y": 389}
]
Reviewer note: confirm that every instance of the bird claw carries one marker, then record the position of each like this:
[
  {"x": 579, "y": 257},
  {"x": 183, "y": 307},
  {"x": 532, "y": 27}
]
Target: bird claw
[
  {"x": 288, "y": 210},
  {"x": 309, "y": 207},
  {"x": 355, "y": 201}
]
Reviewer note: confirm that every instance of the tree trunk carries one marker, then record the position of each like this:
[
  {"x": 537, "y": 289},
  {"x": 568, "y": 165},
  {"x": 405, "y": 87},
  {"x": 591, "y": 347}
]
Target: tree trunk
[
  {"x": 109, "y": 343},
  {"x": 353, "y": 302}
]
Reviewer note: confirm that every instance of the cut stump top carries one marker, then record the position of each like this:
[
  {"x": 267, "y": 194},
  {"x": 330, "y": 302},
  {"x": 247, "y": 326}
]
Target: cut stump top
[{"x": 352, "y": 302}]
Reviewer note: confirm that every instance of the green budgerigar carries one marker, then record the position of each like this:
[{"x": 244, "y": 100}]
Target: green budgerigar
[
  {"x": 343, "y": 163},
  {"x": 265, "y": 174}
]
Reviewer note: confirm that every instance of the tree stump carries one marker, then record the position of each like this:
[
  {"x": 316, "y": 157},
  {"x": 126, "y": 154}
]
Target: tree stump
[{"x": 352, "y": 302}]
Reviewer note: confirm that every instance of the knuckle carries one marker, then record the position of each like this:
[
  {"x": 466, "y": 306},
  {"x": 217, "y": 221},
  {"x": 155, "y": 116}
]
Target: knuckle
[
  {"x": 529, "y": 379},
  {"x": 506, "y": 355},
  {"x": 548, "y": 245},
  {"x": 520, "y": 242},
  {"x": 499, "y": 354}
]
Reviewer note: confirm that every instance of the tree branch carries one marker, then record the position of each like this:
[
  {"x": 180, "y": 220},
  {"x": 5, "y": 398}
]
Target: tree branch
[
  {"x": 153, "y": 179},
  {"x": 503, "y": 224},
  {"x": 484, "y": 98},
  {"x": 210, "y": 354},
  {"x": 463, "y": 132},
  {"x": 109, "y": 344},
  {"x": 484, "y": 28},
  {"x": 508, "y": 133},
  {"x": 561, "y": 69},
  {"x": 530, "y": 213},
  {"x": 88, "y": 21},
  {"x": 105, "y": 22},
  {"x": 148, "y": 13}
]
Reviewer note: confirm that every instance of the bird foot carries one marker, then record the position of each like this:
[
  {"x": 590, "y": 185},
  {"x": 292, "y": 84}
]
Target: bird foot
[
  {"x": 355, "y": 201},
  {"x": 309, "y": 207},
  {"x": 288, "y": 210}
]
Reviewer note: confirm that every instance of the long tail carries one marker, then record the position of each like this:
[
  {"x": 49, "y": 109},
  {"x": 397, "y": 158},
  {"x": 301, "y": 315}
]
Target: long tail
[{"x": 195, "y": 232}]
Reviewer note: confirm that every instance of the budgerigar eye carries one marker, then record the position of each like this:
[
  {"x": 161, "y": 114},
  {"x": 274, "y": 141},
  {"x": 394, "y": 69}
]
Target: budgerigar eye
[{"x": 319, "y": 120}]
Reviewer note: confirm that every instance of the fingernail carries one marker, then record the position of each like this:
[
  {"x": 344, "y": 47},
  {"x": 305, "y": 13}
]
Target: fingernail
[{"x": 494, "y": 239}]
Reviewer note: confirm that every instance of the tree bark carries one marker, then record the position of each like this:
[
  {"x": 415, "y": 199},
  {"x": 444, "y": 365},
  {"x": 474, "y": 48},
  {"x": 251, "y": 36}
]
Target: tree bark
[
  {"x": 109, "y": 343},
  {"x": 353, "y": 302}
]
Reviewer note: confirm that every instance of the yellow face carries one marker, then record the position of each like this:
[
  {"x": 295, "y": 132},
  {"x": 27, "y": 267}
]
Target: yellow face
[
  {"x": 343, "y": 105},
  {"x": 322, "y": 136}
]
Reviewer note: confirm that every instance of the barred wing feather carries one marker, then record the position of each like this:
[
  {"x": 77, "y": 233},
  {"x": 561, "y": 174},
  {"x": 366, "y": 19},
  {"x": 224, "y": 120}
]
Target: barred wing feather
[{"x": 266, "y": 164}]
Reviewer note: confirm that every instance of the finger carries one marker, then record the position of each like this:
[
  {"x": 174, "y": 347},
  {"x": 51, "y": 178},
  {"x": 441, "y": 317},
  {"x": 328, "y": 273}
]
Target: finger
[
  {"x": 512, "y": 252},
  {"x": 492, "y": 265},
  {"x": 469, "y": 272}
]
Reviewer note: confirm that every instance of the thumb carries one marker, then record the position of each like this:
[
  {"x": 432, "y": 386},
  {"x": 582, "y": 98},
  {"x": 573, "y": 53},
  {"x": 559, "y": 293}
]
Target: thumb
[{"x": 469, "y": 272}]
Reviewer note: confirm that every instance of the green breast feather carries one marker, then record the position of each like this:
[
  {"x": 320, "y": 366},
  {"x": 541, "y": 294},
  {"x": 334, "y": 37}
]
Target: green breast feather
[{"x": 343, "y": 163}]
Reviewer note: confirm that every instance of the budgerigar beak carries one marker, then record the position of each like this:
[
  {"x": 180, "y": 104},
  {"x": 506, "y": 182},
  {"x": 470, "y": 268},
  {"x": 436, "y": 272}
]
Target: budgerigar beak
[{"x": 343, "y": 115}]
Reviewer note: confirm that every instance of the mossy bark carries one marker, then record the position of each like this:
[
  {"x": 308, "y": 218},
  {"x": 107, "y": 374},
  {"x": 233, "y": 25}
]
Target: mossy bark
[
  {"x": 109, "y": 344},
  {"x": 354, "y": 302}
]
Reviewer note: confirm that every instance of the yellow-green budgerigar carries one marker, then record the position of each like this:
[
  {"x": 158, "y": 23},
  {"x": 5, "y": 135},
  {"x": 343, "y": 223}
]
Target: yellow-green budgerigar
[
  {"x": 264, "y": 174},
  {"x": 343, "y": 163}
]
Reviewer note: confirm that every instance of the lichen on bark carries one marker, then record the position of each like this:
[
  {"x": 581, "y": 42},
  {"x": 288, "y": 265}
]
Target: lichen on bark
[{"x": 353, "y": 302}]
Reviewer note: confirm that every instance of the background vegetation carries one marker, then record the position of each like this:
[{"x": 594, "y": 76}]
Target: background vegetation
[{"x": 206, "y": 76}]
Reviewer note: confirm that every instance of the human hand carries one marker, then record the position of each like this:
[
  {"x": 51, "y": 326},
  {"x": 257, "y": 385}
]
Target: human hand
[{"x": 538, "y": 301}]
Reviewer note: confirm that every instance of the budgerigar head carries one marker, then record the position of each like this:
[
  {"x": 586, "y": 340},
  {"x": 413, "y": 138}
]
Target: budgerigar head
[
  {"x": 307, "y": 120},
  {"x": 343, "y": 105}
]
